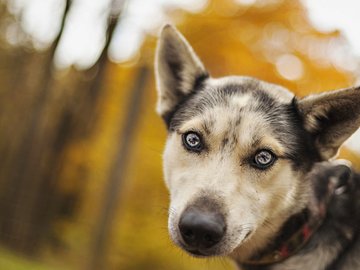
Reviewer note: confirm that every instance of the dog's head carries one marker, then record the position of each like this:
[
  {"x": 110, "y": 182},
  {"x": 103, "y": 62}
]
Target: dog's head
[{"x": 238, "y": 150}]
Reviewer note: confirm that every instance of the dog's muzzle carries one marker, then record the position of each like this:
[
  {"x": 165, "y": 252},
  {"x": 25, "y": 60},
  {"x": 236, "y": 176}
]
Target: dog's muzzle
[{"x": 201, "y": 228}]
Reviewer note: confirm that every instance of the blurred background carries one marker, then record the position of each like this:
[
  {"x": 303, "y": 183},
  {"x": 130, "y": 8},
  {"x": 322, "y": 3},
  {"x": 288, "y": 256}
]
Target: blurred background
[{"x": 80, "y": 144}]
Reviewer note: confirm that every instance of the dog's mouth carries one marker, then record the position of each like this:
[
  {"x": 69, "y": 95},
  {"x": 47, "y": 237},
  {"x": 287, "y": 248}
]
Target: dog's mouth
[{"x": 197, "y": 252}]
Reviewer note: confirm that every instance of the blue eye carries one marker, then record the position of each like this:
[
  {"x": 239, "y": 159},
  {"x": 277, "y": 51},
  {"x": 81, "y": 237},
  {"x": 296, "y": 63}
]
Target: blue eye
[
  {"x": 192, "y": 141},
  {"x": 263, "y": 159}
]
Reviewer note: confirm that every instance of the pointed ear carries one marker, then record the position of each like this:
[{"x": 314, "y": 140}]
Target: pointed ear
[
  {"x": 178, "y": 71},
  {"x": 331, "y": 117}
]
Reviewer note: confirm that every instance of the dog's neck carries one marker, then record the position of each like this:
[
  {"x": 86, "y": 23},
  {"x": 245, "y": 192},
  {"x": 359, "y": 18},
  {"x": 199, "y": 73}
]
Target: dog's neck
[
  {"x": 335, "y": 233},
  {"x": 318, "y": 253},
  {"x": 293, "y": 236}
]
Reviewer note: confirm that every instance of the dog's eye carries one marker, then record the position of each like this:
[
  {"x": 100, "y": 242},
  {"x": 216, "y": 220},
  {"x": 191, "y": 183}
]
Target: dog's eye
[
  {"x": 192, "y": 141},
  {"x": 264, "y": 159}
]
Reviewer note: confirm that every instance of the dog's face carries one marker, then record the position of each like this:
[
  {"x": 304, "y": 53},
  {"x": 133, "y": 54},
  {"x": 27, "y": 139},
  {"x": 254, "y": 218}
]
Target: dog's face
[
  {"x": 234, "y": 149},
  {"x": 238, "y": 150}
]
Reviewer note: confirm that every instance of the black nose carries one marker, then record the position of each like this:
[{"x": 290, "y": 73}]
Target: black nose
[{"x": 201, "y": 229}]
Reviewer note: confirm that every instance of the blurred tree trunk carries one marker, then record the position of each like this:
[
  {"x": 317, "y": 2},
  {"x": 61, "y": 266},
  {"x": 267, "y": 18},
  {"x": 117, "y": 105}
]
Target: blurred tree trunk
[
  {"x": 54, "y": 121},
  {"x": 32, "y": 163},
  {"x": 117, "y": 173}
]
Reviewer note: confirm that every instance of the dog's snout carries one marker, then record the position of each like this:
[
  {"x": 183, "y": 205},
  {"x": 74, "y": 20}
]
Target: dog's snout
[{"x": 201, "y": 229}]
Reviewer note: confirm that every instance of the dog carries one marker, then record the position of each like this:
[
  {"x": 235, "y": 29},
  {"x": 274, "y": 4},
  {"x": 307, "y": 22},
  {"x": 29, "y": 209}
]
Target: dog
[{"x": 246, "y": 165}]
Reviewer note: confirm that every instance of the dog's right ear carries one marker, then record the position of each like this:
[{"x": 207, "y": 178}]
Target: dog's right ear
[{"x": 178, "y": 71}]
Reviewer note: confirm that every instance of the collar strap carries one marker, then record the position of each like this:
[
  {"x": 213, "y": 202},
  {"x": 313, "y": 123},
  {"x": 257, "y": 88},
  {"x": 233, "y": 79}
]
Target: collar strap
[
  {"x": 296, "y": 232},
  {"x": 288, "y": 244}
]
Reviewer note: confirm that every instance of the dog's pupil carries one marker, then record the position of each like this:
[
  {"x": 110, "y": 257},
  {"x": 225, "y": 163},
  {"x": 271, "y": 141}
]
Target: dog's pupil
[
  {"x": 192, "y": 139},
  {"x": 263, "y": 157}
]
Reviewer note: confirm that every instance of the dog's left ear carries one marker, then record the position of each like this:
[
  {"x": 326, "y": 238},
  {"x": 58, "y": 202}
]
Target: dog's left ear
[
  {"x": 178, "y": 71},
  {"x": 331, "y": 117}
]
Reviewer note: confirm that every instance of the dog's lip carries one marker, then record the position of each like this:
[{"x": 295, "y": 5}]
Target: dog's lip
[
  {"x": 196, "y": 252},
  {"x": 248, "y": 235}
]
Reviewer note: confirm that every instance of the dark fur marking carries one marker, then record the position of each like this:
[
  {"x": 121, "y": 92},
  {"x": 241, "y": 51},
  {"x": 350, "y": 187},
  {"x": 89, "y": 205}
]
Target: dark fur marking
[
  {"x": 234, "y": 139},
  {"x": 238, "y": 120},
  {"x": 192, "y": 105},
  {"x": 207, "y": 125},
  {"x": 168, "y": 117},
  {"x": 225, "y": 142},
  {"x": 199, "y": 80}
]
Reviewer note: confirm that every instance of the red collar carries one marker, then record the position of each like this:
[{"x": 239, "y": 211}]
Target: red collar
[{"x": 297, "y": 231}]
